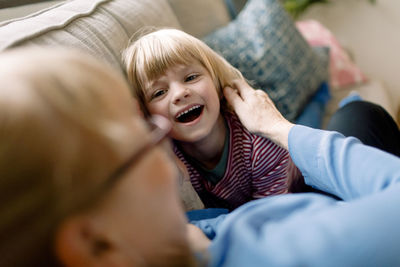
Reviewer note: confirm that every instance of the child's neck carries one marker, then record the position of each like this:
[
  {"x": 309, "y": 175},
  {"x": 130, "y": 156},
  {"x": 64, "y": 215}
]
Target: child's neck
[{"x": 208, "y": 151}]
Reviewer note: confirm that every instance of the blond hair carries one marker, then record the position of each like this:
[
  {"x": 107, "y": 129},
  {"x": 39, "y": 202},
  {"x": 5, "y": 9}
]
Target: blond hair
[
  {"x": 63, "y": 122},
  {"x": 150, "y": 56}
]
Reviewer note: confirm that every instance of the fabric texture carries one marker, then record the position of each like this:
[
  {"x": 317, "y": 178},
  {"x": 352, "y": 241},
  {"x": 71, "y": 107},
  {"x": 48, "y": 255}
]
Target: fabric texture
[
  {"x": 256, "y": 168},
  {"x": 264, "y": 44},
  {"x": 204, "y": 214},
  {"x": 369, "y": 122},
  {"x": 313, "y": 229},
  {"x": 312, "y": 115},
  {"x": 343, "y": 72},
  {"x": 199, "y": 18},
  {"x": 351, "y": 97},
  {"x": 100, "y": 27}
]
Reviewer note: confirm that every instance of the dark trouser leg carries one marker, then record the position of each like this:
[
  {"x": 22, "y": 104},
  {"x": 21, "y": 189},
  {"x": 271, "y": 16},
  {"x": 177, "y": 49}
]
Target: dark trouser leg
[{"x": 368, "y": 122}]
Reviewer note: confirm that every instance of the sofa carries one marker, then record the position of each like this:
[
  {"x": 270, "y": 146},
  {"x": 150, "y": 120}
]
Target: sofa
[
  {"x": 103, "y": 27},
  {"x": 265, "y": 45}
]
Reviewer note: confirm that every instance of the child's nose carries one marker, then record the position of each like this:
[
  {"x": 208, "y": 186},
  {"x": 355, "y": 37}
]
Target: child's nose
[{"x": 180, "y": 93}]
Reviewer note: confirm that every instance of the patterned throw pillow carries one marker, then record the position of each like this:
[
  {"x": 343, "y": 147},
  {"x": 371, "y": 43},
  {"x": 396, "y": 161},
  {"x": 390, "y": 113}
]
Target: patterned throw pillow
[{"x": 264, "y": 44}]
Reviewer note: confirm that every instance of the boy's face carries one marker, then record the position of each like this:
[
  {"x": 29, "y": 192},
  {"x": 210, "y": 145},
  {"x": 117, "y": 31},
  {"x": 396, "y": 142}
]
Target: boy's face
[{"x": 187, "y": 97}]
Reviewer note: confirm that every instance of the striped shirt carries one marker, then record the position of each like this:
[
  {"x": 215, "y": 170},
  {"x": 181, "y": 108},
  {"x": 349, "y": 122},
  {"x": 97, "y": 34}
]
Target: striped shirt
[{"x": 256, "y": 168}]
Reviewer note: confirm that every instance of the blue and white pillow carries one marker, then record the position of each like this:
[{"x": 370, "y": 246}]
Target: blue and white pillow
[{"x": 264, "y": 44}]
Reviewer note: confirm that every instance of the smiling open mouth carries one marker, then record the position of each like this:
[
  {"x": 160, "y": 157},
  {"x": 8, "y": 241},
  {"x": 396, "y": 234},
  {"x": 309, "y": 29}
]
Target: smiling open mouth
[{"x": 190, "y": 114}]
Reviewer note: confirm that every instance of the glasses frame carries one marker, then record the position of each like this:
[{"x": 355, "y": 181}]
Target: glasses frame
[{"x": 159, "y": 129}]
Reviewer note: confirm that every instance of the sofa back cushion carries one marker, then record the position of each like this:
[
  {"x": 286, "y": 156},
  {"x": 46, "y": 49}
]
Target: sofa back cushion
[
  {"x": 200, "y": 17},
  {"x": 101, "y": 27}
]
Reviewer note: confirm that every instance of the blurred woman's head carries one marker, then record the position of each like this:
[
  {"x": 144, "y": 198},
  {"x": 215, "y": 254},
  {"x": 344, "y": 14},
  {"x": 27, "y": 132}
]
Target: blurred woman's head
[{"x": 70, "y": 188}]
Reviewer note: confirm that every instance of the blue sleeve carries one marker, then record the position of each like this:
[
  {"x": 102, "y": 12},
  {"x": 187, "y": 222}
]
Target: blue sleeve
[
  {"x": 207, "y": 219},
  {"x": 341, "y": 166},
  {"x": 315, "y": 230}
]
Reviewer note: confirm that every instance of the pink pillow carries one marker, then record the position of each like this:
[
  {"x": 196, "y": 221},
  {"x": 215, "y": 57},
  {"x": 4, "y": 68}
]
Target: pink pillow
[{"x": 343, "y": 71}]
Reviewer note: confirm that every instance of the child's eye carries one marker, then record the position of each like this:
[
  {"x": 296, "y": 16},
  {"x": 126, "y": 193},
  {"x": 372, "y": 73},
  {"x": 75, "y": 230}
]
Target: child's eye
[
  {"x": 158, "y": 93},
  {"x": 191, "y": 77}
]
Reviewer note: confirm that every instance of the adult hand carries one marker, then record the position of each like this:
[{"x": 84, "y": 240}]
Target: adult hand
[
  {"x": 258, "y": 113},
  {"x": 198, "y": 242}
]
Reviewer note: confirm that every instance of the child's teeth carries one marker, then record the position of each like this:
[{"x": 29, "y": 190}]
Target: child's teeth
[{"x": 187, "y": 111}]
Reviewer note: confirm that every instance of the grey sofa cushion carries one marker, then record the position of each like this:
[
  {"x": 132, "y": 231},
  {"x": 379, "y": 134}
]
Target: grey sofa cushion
[
  {"x": 264, "y": 44},
  {"x": 200, "y": 17},
  {"x": 101, "y": 27}
]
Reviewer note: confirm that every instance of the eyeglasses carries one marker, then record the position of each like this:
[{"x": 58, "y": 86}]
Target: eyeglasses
[{"x": 159, "y": 128}]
